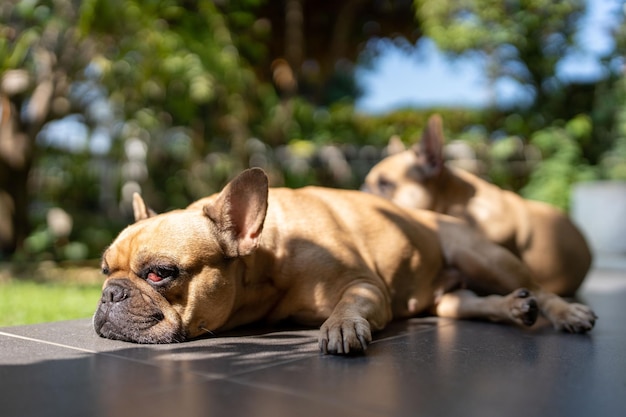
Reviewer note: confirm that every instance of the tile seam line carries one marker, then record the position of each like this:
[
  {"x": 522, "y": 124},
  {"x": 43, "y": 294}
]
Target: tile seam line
[
  {"x": 209, "y": 376},
  {"x": 32, "y": 339}
]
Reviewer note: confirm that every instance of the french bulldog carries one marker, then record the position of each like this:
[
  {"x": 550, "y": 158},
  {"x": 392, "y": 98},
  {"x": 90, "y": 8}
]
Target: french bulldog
[
  {"x": 346, "y": 260},
  {"x": 542, "y": 236}
]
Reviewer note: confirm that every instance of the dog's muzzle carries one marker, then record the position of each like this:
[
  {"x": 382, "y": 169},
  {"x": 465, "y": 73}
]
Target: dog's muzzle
[{"x": 126, "y": 313}]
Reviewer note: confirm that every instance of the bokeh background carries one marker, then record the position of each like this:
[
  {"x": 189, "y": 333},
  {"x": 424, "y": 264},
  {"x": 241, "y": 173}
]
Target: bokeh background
[{"x": 102, "y": 98}]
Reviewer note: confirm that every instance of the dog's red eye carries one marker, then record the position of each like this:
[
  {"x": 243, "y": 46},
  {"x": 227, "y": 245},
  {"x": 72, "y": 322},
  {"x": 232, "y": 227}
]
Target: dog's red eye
[
  {"x": 154, "y": 277},
  {"x": 159, "y": 274}
]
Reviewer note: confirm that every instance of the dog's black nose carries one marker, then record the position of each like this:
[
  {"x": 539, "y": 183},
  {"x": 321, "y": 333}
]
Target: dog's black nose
[{"x": 113, "y": 293}]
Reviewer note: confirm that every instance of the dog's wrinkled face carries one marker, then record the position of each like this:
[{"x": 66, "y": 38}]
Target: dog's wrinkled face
[
  {"x": 399, "y": 178},
  {"x": 167, "y": 280},
  {"x": 409, "y": 177},
  {"x": 174, "y": 276}
]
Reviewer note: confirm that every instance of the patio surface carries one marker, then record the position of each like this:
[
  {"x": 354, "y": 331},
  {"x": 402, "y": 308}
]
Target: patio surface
[{"x": 420, "y": 367}]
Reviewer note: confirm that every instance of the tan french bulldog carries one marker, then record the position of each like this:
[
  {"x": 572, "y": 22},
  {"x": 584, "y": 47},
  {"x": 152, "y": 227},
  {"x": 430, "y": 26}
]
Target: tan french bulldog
[
  {"x": 347, "y": 260},
  {"x": 541, "y": 235}
]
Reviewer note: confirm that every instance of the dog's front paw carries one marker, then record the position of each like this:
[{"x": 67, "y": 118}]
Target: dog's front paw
[
  {"x": 523, "y": 307},
  {"x": 576, "y": 318},
  {"x": 341, "y": 336}
]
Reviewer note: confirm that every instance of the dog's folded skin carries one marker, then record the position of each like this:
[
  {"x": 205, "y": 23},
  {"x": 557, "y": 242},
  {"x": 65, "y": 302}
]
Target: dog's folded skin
[
  {"x": 345, "y": 260},
  {"x": 126, "y": 313}
]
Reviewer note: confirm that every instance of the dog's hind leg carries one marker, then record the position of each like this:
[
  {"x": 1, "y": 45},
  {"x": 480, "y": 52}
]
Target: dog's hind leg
[
  {"x": 570, "y": 317},
  {"x": 518, "y": 307},
  {"x": 491, "y": 269}
]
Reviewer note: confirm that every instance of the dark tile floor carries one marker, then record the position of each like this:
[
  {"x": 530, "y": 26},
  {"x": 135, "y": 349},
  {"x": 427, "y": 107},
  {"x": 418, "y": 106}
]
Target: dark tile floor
[{"x": 420, "y": 367}]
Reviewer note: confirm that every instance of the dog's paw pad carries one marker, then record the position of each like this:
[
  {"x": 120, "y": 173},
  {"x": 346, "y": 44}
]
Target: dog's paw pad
[
  {"x": 530, "y": 311},
  {"x": 523, "y": 307}
]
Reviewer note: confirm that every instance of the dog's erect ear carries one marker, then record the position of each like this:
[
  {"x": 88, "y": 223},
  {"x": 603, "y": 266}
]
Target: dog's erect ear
[
  {"x": 430, "y": 147},
  {"x": 239, "y": 212},
  {"x": 395, "y": 145},
  {"x": 140, "y": 209}
]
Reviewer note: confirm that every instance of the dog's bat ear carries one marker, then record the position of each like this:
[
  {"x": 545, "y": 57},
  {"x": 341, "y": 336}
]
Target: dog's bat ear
[
  {"x": 431, "y": 146},
  {"x": 395, "y": 145},
  {"x": 239, "y": 212},
  {"x": 140, "y": 209}
]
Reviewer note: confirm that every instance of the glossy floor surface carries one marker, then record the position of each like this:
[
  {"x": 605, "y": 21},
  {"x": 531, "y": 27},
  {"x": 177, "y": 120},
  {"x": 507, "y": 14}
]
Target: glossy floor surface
[{"x": 420, "y": 367}]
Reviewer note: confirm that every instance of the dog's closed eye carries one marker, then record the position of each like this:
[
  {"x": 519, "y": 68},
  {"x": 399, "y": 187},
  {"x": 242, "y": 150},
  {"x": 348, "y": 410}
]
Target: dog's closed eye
[
  {"x": 386, "y": 186},
  {"x": 154, "y": 277},
  {"x": 157, "y": 274}
]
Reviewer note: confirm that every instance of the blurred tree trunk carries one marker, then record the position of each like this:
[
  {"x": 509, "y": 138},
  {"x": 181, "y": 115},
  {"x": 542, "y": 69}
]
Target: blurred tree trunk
[
  {"x": 23, "y": 111},
  {"x": 311, "y": 42},
  {"x": 16, "y": 154}
]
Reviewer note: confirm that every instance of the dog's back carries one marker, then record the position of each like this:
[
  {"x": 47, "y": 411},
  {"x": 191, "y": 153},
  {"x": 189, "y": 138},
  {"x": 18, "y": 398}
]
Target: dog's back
[
  {"x": 313, "y": 230},
  {"x": 539, "y": 233}
]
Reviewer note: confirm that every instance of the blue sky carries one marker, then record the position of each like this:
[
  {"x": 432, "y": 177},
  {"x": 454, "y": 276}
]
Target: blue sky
[{"x": 426, "y": 78}]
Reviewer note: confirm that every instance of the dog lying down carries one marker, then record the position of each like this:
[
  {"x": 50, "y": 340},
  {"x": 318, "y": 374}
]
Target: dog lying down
[
  {"x": 346, "y": 260},
  {"x": 543, "y": 237}
]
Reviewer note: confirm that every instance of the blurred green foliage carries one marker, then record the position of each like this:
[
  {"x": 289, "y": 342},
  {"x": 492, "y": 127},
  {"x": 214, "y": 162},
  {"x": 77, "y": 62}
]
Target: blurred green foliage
[
  {"x": 173, "y": 98},
  {"x": 563, "y": 163}
]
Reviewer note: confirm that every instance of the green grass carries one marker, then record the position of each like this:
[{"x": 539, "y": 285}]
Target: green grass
[{"x": 27, "y": 302}]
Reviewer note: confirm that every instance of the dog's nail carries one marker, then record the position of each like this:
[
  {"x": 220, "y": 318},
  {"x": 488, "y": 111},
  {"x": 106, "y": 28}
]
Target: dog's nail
[
  {"x": 324, "y": 346},
  {"x": 363, "y": 342}
]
